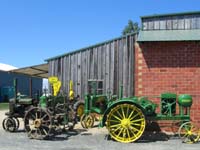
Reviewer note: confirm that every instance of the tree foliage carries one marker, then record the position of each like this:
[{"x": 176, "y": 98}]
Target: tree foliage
[{"x": 130, "y": 28}]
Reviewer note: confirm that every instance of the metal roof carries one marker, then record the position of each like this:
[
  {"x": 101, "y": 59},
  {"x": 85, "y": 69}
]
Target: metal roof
[
  {"x": 171, "y": 14},
  {"x": 40, "y": 71},
  {"x": 169, "y": 35}
]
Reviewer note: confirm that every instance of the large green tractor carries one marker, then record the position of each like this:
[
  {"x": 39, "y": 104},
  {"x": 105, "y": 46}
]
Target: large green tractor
[{"x": 126, "y": 118}]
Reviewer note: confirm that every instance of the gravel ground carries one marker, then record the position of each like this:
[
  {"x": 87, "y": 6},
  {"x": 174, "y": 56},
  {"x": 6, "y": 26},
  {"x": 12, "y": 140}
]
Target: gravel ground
[{"x": 92, "y": 139}]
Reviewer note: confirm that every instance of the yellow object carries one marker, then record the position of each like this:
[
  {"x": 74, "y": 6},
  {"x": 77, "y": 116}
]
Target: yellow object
[
  {"x": 53, "y": 79},
  {"x": 56, "y": 84},
  {"x": 189, "y": 133},
  {"x": 80, "y": 110},
  {"x": 56, "y": 87},
  {"x": 71, "y": 92},
  {"x": 125, "y": 123}
]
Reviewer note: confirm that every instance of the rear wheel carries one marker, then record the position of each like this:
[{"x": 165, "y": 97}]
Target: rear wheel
[
  {"x": 38, "y": 123},
  {"x": 189, "y": 133},
  {"x": 79, "y": 109},
  {"x": 125, "y": 123}
]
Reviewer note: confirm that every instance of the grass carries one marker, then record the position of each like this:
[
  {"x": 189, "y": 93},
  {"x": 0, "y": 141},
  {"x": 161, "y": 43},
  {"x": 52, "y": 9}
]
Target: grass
[{"x": 4, "y": 106}]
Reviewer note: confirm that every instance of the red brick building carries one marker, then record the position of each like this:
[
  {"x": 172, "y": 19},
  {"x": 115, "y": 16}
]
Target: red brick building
[{"x": 167, "y": 57}]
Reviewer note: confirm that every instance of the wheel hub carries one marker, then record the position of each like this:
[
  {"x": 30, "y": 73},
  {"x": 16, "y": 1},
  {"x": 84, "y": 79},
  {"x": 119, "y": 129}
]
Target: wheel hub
[
  {"x": 125, "y": 123},
  {"x": 37, "y": 123},
  {"x": 189, "y": 132}
]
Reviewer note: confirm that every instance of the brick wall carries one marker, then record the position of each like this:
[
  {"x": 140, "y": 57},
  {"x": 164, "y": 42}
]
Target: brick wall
[{"x": 169, "y": 67}]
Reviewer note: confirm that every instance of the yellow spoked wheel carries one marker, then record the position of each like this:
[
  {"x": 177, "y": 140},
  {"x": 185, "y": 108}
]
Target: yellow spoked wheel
[
  {"x": 189, "y": 133},
  {"x": 87, "y": 121},
  {"x": 80, "y": 110},
  {"x": 125, "y": 123}
]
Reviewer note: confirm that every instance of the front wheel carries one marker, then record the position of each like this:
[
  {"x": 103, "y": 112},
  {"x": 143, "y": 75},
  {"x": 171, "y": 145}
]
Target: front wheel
[
  {"x": 189, "y": 133},
  {"x": 125, "y": 123},
  {"x": 87, "y": 121},
  {"x": 9, "y": 124}
]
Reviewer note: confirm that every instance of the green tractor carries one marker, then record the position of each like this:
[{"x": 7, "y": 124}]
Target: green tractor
[
  {"x": 95, "y": 103},
  {"x": 53, "y": 114},
  {"x": 126, "y": 118}
]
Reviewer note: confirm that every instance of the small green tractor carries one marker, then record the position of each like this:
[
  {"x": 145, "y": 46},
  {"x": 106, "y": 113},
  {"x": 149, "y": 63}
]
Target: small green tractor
[
  {"x": 18, "y": 107},
  {"x": 54, "y": 113},
  {"x": 126, "y": 118}
]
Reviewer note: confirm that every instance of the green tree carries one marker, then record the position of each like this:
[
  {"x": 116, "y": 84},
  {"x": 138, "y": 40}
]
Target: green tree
[{"x": 130, "y": 28}]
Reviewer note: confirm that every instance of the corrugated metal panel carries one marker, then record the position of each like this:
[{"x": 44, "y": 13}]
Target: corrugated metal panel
[
  {"x": 6, "y": 80},
  {"x": 112, "y": 62},
  {"x": 169, "y": 35}
]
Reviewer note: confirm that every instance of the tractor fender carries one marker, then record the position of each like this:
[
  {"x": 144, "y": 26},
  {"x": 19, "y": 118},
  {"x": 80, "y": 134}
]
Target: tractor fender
[{"x": 119, "y": 102}]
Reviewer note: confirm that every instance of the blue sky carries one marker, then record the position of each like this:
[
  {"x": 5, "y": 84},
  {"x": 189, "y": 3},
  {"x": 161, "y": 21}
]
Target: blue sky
[{"x": 34, "y": 30}]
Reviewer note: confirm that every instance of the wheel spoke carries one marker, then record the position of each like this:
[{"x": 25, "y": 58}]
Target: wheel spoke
[
  {"x": 119, "y": 127},
  {"x": 122, "y": 109},
  {"x": 117, "y": 117},
  {"x": 45, "y": 132},
  {"x": 44, "y": 117},
  {"x": 33, "y": 117},
  {"x": 134, "y": 128},
  {"x": 127, "y": 111},
  {"x": 132, "y": 132},
  {"x": 137, "y": 124},
  {"x": 36, "y": 115},
  {"x": 141, "y": 119},
  {"x": 134, "y": 116},
  {"x": 119, "y": 114},
  {"x": 131, "y": 113},
  {"x": 129, "y": 137}
]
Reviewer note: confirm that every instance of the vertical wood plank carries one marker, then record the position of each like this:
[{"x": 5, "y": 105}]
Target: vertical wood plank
[
  {"x": 156, "y": 24},
  {"x": 79, "y": 74},
  {"x": 162, "y": 24},
  {"x": 187, "y": 22},
  {"x": 181, "y": 23},
  {"x": 112, "y": 62}
]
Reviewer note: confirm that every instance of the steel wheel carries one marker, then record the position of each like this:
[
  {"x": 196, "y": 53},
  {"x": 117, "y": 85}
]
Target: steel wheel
[
  {"x": 80, "y": 110},
  {"x": 87, "y": 121},
  {"x": 16, "y": 122},
  {"x": 9, "y": 124},
  {"x": 189, "y": 133},
  {"x": 38, "y": 123},
  {"x": 125, "y": 123}
]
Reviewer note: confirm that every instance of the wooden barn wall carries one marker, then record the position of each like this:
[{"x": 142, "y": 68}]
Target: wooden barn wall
[
  {"x": 112, "y": 62},
  {"x": 183, "y": 22}
]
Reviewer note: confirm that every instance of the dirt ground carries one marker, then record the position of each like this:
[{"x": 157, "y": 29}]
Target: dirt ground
[{"x": 91, "y": 139}]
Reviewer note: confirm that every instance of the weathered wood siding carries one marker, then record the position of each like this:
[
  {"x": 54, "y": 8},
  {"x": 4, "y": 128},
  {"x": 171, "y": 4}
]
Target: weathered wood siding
[
  {"x": 112, "y": 62},
  {"x": 179, "y": 22}
]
